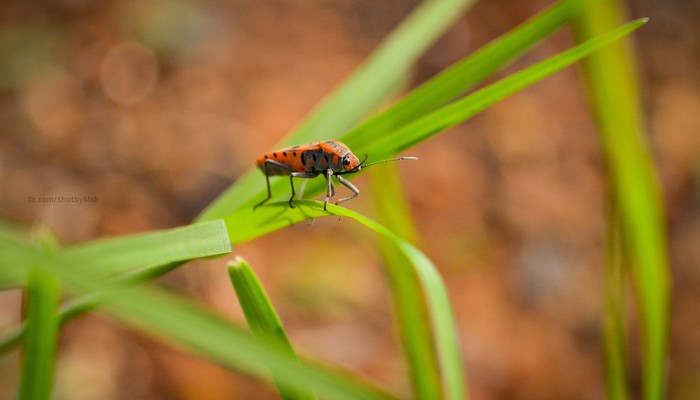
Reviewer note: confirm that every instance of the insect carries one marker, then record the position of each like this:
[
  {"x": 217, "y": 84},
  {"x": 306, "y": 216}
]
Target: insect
[{"x": 311, "y": 160}]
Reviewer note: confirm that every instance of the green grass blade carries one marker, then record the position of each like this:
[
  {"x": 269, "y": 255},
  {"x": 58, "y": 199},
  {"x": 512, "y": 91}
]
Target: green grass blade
[
  {"x": 614, "y": 337},
  {"x": 41, "y": 336},
  {"x": 471, "y": 70},
  {"x": 89, "y": 302},
  {"x": 182, "y": 322},
  {"x": 382, "y": 73},
  {"x": 364, "y": 91},
  {"x": 611, "y": 80},
  {"x": 263, "y": 320},
  {"x": 113, "y": 256},
  {"x": 453, "y": 114},
  {"x": 176, "y": 320},
  {"x": 407, "y": 296},
  {"x": 440, "y": 315},
  {"x": 152, "y": 253}
]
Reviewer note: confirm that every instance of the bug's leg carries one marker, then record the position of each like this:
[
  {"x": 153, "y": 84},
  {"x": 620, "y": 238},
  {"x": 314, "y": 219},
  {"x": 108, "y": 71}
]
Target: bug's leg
[
  {"x": 331, "y": 189},
  {"x": 298, "y": 175},
  {"x": 300, "y": 193},
  {"x": 269, "y": 192},
  {"x": 269, "y": 164},
  {"x": 350, "y": 186}
]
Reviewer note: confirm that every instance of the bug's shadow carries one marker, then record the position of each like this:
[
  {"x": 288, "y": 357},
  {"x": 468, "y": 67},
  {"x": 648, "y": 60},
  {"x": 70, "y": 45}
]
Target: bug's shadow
[{"x": 279, "y": 213}]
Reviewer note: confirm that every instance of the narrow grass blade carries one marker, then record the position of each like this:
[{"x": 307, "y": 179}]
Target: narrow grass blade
[
  {"x": 462, "y": 76},
  {"x": 439, "y": 316},
  {"x": 176, "y": 320},
  {"x": 263, "y": 321},
  {"x": 88, "y": 302},
  {"x": 364, "y": 91},
  {"x": 612, "y": 85},
  {"x": 459, "y": 111},
  {"x": 406, "y": 292},
  {"x": 614, "y": 337},
  {"x": 42, "y": 298}
]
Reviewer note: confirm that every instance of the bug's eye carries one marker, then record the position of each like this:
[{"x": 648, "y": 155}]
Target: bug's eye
[{"x": 346, "y": 161}]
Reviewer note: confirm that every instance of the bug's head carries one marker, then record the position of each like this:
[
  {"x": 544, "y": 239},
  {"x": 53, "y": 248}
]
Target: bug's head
[{"x": 351, "y": 163}]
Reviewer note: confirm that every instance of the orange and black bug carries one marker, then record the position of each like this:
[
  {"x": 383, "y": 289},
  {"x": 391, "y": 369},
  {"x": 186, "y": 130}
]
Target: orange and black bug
[{"x": 309, "y": 161}]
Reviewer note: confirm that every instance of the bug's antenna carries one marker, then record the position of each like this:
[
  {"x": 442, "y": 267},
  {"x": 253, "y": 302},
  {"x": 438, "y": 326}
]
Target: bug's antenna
[
  {"x": 387, "y": 160},
  {"x": 362, "y": 164}
]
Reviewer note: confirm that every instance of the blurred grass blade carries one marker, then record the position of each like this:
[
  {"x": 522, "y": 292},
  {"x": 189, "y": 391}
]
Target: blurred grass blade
[
  {"x": 382, "y": 72},
  {"x": 614, "y": 337},
  {"x": 111, "y": 256},
  {"x": 184, "y": 323},
  {"x": 440, "y": 314},
  {"x": 136, "y": 258},
  {"x": 88, "y": 302},
  {"x": 364, "y": 91},
  {"x": 42, "y": 298},
  {"x": 461, "y": 110},
  {"x": 611, "y": 80},
  {"x": 462, "y": 76},
  {"x": 263, "y": 321},
  {"x": 407, "y": 295}
]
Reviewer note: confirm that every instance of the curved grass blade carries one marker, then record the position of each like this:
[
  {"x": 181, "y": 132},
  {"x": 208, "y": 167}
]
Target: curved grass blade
[
  {"x": 462, "y": 76},
  {"x": 365, "y": 90},
  {"x": 614, "y": 96},
  {"x": 406, "y": 293},
  {"x": 440, "y": 313},
  {"x": 263, "y": 321}
]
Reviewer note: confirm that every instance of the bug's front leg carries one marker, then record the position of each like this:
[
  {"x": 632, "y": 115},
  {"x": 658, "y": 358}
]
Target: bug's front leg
[
  {"x": 331, "y": 188},
  {"x": 347, "y": 184}
]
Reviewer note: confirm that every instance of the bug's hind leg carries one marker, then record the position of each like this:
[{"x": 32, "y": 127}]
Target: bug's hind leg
[
  {"x": 272, "y": 167},
  {"x": 298, "y": 175},
  {"x": 347, "y": 184}
]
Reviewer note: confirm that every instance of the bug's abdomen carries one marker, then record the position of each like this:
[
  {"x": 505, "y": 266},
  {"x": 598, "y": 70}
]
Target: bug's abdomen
[{"x": 290, "y": 158}]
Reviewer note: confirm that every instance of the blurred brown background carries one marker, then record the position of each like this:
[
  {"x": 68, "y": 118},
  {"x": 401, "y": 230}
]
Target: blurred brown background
[{"x": 155, "y": 107}]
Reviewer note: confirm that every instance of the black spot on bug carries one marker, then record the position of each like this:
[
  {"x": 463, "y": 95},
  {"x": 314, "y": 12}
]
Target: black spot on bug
[
  {"x": 313, "y": 155},
  {"x": 266, "y": 157},
  {"x": 274, "y": 155},
  {"x": 284, "y": 153},
  {"x": 294, "y": 154}
]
